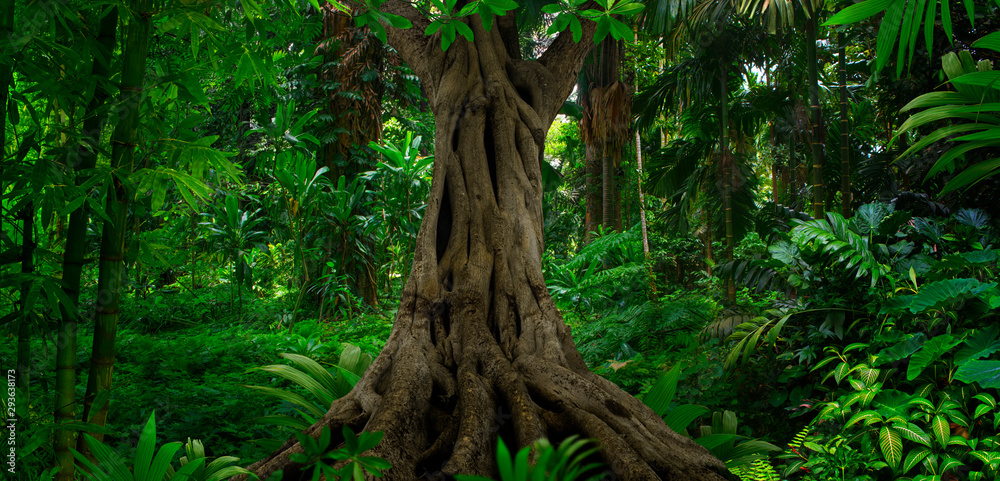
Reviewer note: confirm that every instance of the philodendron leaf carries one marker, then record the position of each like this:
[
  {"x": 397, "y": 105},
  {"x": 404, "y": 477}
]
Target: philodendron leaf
[
  {"x": 986, "y": 373},
  {"x": 930, "y": 352},
  {"x": 900, "y": 350},
  {"x": 984, "y": 342},
  {"x": 937, "y": 295}
]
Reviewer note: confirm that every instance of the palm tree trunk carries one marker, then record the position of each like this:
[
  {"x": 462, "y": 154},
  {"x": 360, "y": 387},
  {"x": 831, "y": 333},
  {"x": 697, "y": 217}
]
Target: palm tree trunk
[
  {"x": 118, "y": 197},
  {"x": 607, "y": 190},
  {"x": 846, "y": 193},
  {"x": 816, "y": 118},
  {"x": 73, "y": 260}
]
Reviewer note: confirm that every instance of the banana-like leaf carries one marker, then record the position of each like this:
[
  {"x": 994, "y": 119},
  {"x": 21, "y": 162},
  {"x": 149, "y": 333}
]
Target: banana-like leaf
[
  {"x": 662, "y": 393},
  {"x": 682, "y": 416},
  {"x": 302, "y": 379},
  {"x": 291, "y": 397}
]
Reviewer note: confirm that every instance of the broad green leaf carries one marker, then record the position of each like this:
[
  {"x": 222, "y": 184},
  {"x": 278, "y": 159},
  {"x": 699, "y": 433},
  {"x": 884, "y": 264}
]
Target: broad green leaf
[
  {"x": 901, "y": 350},
  {"x": 913, "y": 433},
  {"x": 973, "y": 175},
  {"x": 682, "y": 416},
  {"x": 291, "y": 397},
  {"x": 888, "y": 32},
  {"x": 858, "y": 11},
  {"x": 662, "y": 393},
  {"x": 396, "y": 20},
  {"x": 892, "y": 445},
  {"x": 447, "y": 35},
  {"x": 914, "y": 457},
  {"x": 989, "y": 78},
  {"x": 147, "y": 445},
  {"x": 866, "y": 416},
  {"x": 982, "y": 343},
  {"x": 504, "y": 461},
  {"x": 929, "y": 353},
  {"x": 576, "y": 28},
  {"x": 463, "y": 29},
  {"x": 941, "y": 430},
  {"x": 986, "y": 373},
  {"x": 603, "y": 27},
  {"x": 990, "y": 41}
]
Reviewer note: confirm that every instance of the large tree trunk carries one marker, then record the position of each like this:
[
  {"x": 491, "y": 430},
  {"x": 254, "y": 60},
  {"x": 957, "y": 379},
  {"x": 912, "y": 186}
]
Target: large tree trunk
[{"x": 479, "y": 350}]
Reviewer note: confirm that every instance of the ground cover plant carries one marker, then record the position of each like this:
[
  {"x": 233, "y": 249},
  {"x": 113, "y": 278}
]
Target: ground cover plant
[{"x": 495, "y": 239}]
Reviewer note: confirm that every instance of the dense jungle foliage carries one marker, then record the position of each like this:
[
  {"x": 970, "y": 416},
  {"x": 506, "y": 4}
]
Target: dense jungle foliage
[{"x": 775, "y": 222}]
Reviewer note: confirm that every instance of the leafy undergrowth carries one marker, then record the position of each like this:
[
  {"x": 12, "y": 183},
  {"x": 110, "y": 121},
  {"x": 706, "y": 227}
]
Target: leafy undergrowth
[{"x": 194, "y": 377}]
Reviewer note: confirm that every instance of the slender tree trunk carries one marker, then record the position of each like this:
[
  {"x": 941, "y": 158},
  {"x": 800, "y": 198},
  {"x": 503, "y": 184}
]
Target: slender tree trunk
[
  {"x": 642, "y": 217},
  {"x": 726, "y": 167},
  {"x": 479, "y": 349},
  {"x": 793, "y": 168},
  {"x": 816, "y": 118},
  {"x": 6, "y": 31},
  {"x": 593, "y": 198},
  {"x": 709, "y": 239},
  {"x": 604, "y": 129},
  {"x": 846, "y": 192},
  {"x": 119, "y": 195},
  {"x": 23, "y": 377},
  {"x": 74, "y": 257}
]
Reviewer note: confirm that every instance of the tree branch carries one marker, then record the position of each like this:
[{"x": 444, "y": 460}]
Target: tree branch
[
  {"x": 419, "y": 51},
  {"x": 564, "y": 59},
  {"x": 507, "y": 26}
]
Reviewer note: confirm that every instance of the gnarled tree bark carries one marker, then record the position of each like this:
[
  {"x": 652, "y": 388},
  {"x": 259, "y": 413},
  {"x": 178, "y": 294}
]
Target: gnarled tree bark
[{"x": 478, "y": 349}]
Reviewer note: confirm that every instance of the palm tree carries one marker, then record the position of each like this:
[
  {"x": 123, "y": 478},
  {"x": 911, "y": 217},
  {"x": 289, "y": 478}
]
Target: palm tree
[
  {"x": 782, "y": 13},
  {"x": 704, "y": 170},
  {"x": 719, "y": 39},
  {"x": 604, "y": 128}
]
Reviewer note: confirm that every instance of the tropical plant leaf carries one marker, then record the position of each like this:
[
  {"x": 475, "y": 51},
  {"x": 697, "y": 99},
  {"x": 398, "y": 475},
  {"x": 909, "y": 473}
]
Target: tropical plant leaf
[
  {"x": 901, "y": 350},
  {"x": 662, "y": 393},
  {"x": 679, "y": 418},
  {"x": 982, "y": 343},
  {"x": 929, "y": 353},
  {"x": 986, "y": 373},
  {"x": 892, "y": 445}
]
